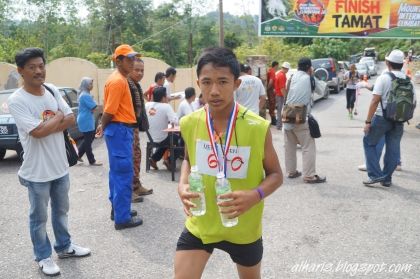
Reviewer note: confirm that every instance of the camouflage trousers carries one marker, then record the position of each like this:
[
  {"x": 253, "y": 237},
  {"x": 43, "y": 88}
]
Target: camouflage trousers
[
  {"x": 271, "y": 95},
  {"x": 136, "y": 159}
]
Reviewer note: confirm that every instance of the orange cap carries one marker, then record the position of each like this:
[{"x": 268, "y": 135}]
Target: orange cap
[{"x": 124, "y": 50}]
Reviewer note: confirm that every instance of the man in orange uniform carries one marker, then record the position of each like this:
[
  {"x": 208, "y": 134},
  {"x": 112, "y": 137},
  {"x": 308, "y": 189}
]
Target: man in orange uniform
[{"x": 118, "y": 122}]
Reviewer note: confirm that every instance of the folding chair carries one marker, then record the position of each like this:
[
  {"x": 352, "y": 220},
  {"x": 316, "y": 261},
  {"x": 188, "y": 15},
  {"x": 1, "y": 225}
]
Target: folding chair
[{"x": 149, "y": 148}]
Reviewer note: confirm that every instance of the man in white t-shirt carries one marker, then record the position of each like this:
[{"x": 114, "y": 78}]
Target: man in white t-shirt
[
  {"x": 198, "y": 103},
  {"x": 160, "y": 114},
  {"x": 41, "y": 116},
  {"x": 377, "y": 126},
  {"x": 186, "y": 106},
  {"x": 251, "y": 92},
  {"x": 169, "y": 80}
]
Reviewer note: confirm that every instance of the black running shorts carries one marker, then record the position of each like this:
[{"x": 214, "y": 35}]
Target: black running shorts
[{"x": 243, "y": 254}]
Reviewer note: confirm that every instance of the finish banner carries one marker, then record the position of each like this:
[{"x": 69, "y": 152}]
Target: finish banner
[{"x": 340, "y": 18}]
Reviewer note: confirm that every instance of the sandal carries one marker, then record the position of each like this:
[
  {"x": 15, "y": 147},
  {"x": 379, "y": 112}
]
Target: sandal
[
  {"x": 295, "y": 174},
  {"x": 316, "y": 179}
]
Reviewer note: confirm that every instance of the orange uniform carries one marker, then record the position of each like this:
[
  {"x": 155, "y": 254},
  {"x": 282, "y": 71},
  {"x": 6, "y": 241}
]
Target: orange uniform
[
  {"x": 117, "y": 99},
  {"x": 280, "y": 83}
]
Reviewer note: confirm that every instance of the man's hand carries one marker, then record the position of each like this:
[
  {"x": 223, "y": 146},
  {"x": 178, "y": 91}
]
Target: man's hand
[
  {"x": 99, "y": 131},
  {"x": 239, "y": 203},
  {"x": 60, "y": 115},
  {"x": 366, "y": 129},
  {"x": 186, "y": 196}
]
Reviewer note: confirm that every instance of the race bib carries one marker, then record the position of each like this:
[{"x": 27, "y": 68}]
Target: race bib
[{"x": 237, "y": 160}]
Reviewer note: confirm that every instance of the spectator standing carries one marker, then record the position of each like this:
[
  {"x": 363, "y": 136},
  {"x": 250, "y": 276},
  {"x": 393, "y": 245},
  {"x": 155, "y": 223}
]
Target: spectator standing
[
  {"x": 280, "y": 90},
  {"x": 41, "y": 118},
  {"x": 257, "y": 178},
  {"x": 251, "y": 92},
  {"x": 160, "y": 113},
  {"x": 377, "y": 126},
  {"x": 351, "y": 78},
  {"x": 118, "y": 121},
  {"x": 86, "y": 120},
  {"x": 198, "y": 103},
  {"x": 271, "y": 76},
  {"x": 300, "y": 92},
  {"x": 134, "y": 79},
  {"x": 159, "y": 81},
  {"x": 186, "y": 107},
  {"x": 170, "y": 75}
]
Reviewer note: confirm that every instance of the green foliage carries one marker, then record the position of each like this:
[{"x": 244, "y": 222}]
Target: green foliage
[{"x": 101, "y": 60}]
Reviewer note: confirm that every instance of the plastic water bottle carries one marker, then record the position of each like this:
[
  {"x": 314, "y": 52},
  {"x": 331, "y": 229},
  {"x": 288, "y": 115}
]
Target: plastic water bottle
[
  {"x": 223, "y": 187},
  {"x": 196, "y": 186}
]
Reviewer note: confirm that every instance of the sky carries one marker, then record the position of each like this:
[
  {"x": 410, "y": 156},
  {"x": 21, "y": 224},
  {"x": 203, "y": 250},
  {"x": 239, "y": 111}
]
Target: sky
[{"x": 235, "y": 7}]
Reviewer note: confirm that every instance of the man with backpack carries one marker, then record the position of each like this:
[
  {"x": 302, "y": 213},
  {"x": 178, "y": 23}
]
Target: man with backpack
[{"x": 392, "y": 104}]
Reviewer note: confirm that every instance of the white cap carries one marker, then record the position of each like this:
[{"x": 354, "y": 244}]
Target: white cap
[
  {"x": 286, "y": 65},
  {"x": 396, "y": 56}
]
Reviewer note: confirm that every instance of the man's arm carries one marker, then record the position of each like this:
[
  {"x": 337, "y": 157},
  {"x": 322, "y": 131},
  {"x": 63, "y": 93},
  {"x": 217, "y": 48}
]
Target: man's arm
[
  {"x": 105, "y": 120},
  {"x": 48, "y": 127},
  {"x": 262, "y": 102},
  {"x": 67, "y": 121},
  {"x": 372, "y": 108},
  {"x": 245, "y": 199}
]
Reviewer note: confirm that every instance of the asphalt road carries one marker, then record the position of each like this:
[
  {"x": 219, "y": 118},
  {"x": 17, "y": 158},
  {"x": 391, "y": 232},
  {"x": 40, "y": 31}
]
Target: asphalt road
[{"x": 340, "y": 229}]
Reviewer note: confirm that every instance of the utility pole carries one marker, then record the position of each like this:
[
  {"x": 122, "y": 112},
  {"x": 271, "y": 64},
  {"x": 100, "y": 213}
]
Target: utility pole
[{"x": 221, "y": 30}]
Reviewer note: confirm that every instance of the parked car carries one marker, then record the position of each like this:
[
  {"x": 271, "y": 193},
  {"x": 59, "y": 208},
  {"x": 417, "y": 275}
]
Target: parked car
[
  {"x": 371, "y": 52},
  {"x": 9, "y": 138},
  {"x": 321, "y": 88},
  {"x": 344, "y": 65},
  {"x": 328, "y": 70},
  {"x": 353, "y": 59},
  {"x": 372, "y": 67},
  {"x": 363, "y": 69}
]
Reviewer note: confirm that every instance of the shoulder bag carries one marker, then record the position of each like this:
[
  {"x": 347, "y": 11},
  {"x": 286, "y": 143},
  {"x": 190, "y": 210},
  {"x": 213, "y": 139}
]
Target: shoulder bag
[
  {"x": 293, "y": 113},
  {"x": 71, "y": 152}
]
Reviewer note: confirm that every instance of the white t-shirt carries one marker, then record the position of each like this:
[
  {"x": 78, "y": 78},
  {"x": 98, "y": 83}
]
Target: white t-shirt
[
  {"x": 383, "y": 86},
  {"x": 249, "y": 92},
  {"x": 167, "y": 85},
  {"x": 159, "y": 115},
  {"x": 184, "y": 108},
  {"x": 196, "y": 104},
  {"x": 44, "y": 158}
]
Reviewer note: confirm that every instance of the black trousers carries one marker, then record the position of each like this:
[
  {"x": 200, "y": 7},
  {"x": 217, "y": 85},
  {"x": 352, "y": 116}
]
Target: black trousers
[
  {"x": 351, "y": 97},
  {"x": 86, "y": 146},
  {"x": 163, "y": 146}
]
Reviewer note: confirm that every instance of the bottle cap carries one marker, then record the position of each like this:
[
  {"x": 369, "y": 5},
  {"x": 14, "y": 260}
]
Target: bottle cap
[
  {"x": 194, "y": 169},
  {"x": 220, "y": 175}
]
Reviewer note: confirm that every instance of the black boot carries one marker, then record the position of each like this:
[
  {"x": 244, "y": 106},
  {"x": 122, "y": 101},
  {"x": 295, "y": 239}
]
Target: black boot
[{"x": 273, "y": 121}]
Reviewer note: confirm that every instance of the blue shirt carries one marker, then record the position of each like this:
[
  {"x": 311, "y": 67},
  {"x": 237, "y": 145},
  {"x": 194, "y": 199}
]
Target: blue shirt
[{"x": 85, "y": 119}]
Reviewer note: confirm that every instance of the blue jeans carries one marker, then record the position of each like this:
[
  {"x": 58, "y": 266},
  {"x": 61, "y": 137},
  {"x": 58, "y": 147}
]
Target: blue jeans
[
  {"x": 380, "y": 147},
  {"x": 392, "y": 132},
  {"x": 119, "y": 141},
  {"x": 39, "y": 195}
]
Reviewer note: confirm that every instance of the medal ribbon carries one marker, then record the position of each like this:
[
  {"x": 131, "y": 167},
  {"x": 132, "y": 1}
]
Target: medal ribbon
[{"x": 229, "y": 132}]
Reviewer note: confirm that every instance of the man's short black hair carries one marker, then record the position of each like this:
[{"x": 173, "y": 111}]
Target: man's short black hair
[
  {"x": 189, "y": 92},
  {"x": 23, "y": 56},
  {"x": 159, "y": 93},
  {"x": 395, "y": 66},
  {"x": 219, "y": 57},
  {"x": 170, "y": 71},
  {"x": 158, "y": 76},
  {"x": 245, "y": 68},
  {"x": 274, "y": 64},
  {"x": 304, "y": 64}
]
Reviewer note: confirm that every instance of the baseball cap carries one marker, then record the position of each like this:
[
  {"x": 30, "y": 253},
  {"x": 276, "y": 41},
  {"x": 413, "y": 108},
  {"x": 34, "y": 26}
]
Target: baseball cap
[
  {"x": 396, "y": 56},
  {"x": 124, "y": 50},
  {"x": 286, "y": 65}
]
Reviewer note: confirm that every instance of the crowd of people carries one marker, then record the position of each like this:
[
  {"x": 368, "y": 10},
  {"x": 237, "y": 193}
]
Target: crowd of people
[{"x": 225, "y": 116}]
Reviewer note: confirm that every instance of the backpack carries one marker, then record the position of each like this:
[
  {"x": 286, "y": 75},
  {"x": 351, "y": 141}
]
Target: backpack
[{"x": 400, "y": 100}]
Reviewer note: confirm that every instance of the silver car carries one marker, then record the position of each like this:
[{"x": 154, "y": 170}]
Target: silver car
[
  {"x": 363, "y": 69},
  {"x": 372, "y": 67}
]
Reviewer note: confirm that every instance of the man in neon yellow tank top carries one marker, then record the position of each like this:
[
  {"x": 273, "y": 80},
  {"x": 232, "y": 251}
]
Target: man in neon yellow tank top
[{"x": 229, "y": 138}]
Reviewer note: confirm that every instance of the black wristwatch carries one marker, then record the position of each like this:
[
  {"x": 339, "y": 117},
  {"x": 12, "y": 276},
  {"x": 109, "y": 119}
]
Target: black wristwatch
[{"x": 368, "y": 122}]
